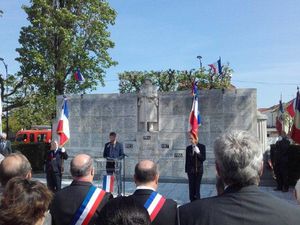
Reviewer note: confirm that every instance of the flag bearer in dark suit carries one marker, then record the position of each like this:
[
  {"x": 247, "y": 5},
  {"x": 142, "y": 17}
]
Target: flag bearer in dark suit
[
  {"x": 54, "y": 166},
  {"x": 239, "y": 163},
  {"x": 195, "y": 156},
  {"x": 162, "y": 211}
]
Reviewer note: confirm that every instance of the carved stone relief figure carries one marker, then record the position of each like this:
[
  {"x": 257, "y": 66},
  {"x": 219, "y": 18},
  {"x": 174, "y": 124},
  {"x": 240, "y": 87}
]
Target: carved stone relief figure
[{"x": 148, "y": 107}]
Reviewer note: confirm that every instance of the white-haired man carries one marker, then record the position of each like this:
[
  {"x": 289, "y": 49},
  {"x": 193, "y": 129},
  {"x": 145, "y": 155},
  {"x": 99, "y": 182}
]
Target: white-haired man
[
  {"x": 5, "y": 145},
  {"x": 239, "y": 163}
]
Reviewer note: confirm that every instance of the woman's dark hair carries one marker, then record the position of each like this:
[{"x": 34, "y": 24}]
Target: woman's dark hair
[
  {"x": 123, "y": 211},
  {"x": 24, "y": 202}
]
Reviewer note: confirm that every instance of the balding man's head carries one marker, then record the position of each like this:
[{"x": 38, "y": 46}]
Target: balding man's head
[
  {"x": 146, "y": 171},
  {"x": 14, "y": 165},
  {"x": 82, "y": 166}
]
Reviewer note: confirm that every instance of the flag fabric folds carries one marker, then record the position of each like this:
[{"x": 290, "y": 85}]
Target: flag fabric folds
[
  {"x": 108, "y": 183},
  {"x": 195, "y": 118},
  {"x": 279, "y": 118},
  {"x": 216, "y": 67},
  {"x": 295, "y": 133},
  {"x": 78, "y": 76},
  {"x": 63, "y": 130},
  {"x": 290, "y": 108}
]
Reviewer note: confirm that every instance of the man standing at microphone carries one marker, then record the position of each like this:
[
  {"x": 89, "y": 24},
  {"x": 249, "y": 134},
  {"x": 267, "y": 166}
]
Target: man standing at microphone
[
  {"x": 114, "y": 152},
  {"x": 195, "y": 156}
]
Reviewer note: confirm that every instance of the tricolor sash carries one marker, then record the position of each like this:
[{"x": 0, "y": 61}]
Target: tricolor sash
[
  {"x": 154, "y": 204},
  {"x": 108, "y": 183},
  {"x": 88, "y": 207}
]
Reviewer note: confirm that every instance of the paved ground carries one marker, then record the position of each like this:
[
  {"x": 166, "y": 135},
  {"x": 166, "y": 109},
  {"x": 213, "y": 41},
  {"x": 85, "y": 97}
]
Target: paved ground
[{"x": 179, "y": 191}]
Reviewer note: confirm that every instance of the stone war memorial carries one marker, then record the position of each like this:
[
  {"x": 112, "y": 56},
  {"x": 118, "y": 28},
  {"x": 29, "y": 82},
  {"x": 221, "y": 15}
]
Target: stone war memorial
[{"x": 154, "y": 125}]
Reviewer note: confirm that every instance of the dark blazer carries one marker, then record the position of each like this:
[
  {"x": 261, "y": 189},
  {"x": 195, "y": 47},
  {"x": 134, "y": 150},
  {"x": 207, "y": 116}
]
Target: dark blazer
[
  {"x": 54, "y": 161},
  {"x": 194, "y": 162},
  {"x": 118, "y": 151},
  {"x": 167, "y": 214},
  {"x": 247, "y": 206},
  {"x": 66, "y": 202}
]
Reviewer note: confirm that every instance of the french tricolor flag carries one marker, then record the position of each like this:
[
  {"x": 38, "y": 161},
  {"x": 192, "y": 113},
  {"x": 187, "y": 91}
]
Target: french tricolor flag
[
  {"x": 291, "y": 105},
  {"x": 216, "y": 67},
  {"x": 78, "y": 76},
  {"x": 63, "y": 130},
  {"x": 108, "y": 183},
  {"x": 195, "y": 119}
]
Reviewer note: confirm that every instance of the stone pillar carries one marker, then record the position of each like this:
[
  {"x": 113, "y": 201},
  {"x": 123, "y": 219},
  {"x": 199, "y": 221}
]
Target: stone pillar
[{"x": 262, "y": 130}]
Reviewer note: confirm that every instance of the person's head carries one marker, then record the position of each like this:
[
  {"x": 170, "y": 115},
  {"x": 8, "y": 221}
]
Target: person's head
[
  {"x": 54, "y": 145},
  {"x": 297, "y": 191},
  {"x": 112, "y": 137},
  {"x": 14, "y": 165},
  {"x": 82, "y": 168},
  {"x": 123, "y": 211},
  {"x": 24, "y": 202},
  {"x": 3, "y": 136},
  {"x": 146, "y": 174},
  {"x": 238, "y": 158}
]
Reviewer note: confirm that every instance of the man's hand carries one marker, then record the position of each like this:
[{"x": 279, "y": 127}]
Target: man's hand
[
  {"x": 196, "y": 149},
  {"x": 63, "y": 149}
]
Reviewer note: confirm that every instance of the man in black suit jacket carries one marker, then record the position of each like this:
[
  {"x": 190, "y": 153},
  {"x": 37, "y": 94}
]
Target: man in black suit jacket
[
  {"x": 194, "y": 158},
  {"x": 54, "y": 166},
  {"x": 281, "y": 164},
  {"x": 239, "y": 163},
  {"x": 146, "y": 179},
  {"x": 114, "y": 152},
  {"x": 67, "y": 201}
]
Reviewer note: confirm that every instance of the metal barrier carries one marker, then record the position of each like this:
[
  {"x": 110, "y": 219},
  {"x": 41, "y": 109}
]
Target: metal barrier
[{"x": 113, "y": 167}]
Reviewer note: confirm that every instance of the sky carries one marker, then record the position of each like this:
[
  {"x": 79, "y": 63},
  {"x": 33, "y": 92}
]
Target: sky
[{"x": 260, "y": 40}]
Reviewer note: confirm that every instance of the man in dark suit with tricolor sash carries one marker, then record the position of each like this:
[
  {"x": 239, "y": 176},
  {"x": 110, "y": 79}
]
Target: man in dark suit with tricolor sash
[
  {"x": 162, "y": 211},
  {"x": 81, "y": 202}
]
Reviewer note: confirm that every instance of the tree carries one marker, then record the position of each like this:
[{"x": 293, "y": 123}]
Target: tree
[
  {"x": 65, "y": 35},
  {"x": 172, "y": 80}
]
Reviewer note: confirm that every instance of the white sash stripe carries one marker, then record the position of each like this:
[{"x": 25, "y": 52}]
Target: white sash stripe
[
  {"x": 88, "y": 207},
  {"x": 107, "y": 183},
  {"x": 154, "y": 203}
]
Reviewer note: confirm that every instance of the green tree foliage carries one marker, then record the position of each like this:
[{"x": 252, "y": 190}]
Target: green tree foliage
[
  {"x": 175, "y": 80},
  {"x": 62, "y": 35}
]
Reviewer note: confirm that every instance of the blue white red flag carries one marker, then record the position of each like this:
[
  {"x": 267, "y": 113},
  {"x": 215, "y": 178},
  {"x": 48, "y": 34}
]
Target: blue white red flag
[
  {"x": 195, "y": 119},
  {"x": 295, "y": 133},
  {"x": 88, "y": 207},
  {"x": 154, "y": 204},
  {"x": 78, "y": 76},
  {"x": 108, "y": 183},
  {"x": 290, "y": 108},
  {"x": 63, "y": 129},
  {"x": 216, "y": 67}
]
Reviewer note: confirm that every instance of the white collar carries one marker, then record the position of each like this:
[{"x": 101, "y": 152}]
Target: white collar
[{"x": 144, "y": 187}]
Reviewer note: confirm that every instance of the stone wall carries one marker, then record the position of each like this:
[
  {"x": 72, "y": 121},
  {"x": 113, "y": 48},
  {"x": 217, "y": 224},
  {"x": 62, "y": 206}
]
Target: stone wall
[{"x": 93, "y": 116}]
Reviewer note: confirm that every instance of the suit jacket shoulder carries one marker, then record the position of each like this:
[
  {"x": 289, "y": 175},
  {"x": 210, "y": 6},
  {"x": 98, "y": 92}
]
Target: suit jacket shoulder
[
  {"x": 246, "y": 206},
  {"x": 66, "y": 202},
  {"x": 168, "y": 213}
]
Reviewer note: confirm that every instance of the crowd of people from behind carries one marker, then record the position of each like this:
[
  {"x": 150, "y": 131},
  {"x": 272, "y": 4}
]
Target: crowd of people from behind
[{"x": 239, "y": 165}]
